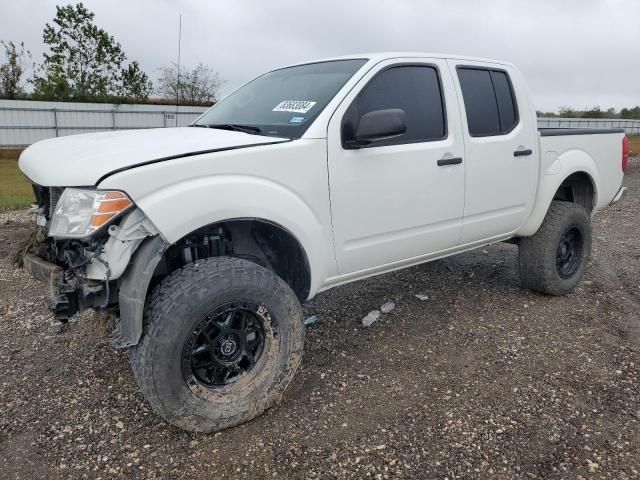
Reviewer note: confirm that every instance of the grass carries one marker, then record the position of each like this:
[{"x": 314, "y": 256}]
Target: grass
[{"x": 15, "y": 191}]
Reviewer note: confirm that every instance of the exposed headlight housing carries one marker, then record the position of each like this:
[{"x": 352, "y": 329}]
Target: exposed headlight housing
[{"x": 80, "y": 212}]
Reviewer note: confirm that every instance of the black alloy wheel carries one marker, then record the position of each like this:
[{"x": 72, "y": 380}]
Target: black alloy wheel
[
  {"x": 569, "y": 252},
  {"x": 224, "y": 345}
]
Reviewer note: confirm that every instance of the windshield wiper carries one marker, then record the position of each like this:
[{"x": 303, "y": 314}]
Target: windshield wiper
[{"x": 234, "y": 127}]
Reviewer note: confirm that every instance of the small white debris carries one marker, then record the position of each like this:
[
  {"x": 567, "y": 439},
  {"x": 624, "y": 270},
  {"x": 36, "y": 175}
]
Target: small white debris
[
  {"x": 371, "y": 317},
  {"x": 311, "y": 320},
  {"x": 422, "y": 296},
  {"x": 486, "y": 252},
  {"x": 387, "y": 307}
]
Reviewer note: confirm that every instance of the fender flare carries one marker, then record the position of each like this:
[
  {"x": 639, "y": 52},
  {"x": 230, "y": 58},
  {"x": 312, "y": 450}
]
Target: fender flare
[{"x": 134, "y": 285}]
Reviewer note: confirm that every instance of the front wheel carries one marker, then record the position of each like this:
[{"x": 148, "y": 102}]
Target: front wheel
[
  {"x": 223, "y": 339},
  {"x": 553, "y": 260}
]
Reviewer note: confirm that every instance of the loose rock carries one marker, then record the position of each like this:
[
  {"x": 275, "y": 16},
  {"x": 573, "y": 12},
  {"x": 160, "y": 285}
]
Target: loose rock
[{"x": 387, "y": 307}]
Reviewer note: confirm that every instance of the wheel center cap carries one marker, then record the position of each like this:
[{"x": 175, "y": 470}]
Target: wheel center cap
[
  {"x": 563, "y": 249},
  {"x": 228, "y": 347}
]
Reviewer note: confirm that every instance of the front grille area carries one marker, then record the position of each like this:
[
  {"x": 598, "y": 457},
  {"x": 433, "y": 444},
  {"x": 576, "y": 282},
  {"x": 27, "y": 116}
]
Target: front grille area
[
  {"x": 54, "y": 196},
  {"x": 47, "y": 198}
]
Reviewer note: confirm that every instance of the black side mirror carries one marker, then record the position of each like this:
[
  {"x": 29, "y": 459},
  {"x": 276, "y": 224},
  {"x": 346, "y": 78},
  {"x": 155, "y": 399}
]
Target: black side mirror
[{"x": 378, "y": 125}]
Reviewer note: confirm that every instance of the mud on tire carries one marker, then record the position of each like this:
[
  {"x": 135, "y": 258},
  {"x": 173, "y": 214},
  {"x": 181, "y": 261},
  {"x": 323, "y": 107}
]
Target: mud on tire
[
  {"x": 554, "y": 259},
  {"x": 180, "y": 321}
]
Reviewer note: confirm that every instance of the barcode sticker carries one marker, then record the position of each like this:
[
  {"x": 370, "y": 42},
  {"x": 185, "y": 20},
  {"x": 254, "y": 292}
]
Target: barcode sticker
[{"x": 294, "y": 106}]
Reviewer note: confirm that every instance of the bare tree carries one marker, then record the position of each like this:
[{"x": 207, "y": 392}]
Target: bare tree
[
  {"x": 200, "y": 85},
  {"x": 12, "y": 72}
]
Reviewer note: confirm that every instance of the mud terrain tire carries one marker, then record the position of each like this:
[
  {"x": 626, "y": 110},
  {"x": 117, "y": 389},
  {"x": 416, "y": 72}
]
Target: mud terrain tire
[
  {"x": 176, "y": 310},
  {"x": 553, "y": 260}
]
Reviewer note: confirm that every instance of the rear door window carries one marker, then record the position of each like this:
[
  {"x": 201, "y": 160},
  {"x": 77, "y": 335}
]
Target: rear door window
[{"x": 488, "y": 100}]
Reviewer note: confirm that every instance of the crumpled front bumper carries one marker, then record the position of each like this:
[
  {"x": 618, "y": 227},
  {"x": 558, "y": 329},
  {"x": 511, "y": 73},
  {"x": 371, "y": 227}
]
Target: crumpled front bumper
[
  {"x": 41, "y": 269},
  {"x": 67, "y": 293}
]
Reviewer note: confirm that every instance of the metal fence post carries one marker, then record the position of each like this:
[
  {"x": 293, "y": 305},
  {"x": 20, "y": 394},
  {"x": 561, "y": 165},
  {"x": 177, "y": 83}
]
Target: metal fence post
[
  {"x": 55, "y": 120},
  {"x": 113, "y": 118}
]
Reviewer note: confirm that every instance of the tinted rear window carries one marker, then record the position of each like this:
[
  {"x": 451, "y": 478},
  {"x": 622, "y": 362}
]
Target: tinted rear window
[
  {"x": 504, "y": 97},
  {"x": 488, "y": 101}
]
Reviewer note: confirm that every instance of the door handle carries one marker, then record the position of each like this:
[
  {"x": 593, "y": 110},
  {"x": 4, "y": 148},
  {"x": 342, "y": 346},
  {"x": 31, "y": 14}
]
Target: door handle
[
  {"x": 522, "y": 153},
  {"x": 449, "y": 161}
]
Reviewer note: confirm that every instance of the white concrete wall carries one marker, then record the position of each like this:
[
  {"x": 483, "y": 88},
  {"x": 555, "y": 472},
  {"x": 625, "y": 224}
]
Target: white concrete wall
[{"x": 24, "y": 122}]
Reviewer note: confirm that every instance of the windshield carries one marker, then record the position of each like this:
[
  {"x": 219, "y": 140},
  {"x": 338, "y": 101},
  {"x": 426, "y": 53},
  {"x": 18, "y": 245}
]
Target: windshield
[{"x": 282, "y": 103}]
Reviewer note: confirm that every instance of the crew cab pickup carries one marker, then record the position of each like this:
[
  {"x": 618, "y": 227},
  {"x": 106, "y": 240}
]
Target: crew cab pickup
[{"x": 204, "y": 240}]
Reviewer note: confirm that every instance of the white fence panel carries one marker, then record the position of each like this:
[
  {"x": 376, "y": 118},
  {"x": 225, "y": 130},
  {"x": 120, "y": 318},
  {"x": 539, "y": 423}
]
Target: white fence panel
[
  {"x": 631, "y": 127},
  {"x": 25, "y": 122}
]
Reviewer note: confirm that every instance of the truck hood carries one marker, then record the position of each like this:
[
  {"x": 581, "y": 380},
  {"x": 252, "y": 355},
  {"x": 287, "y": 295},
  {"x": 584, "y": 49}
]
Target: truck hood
[{"x": 82, "y": 160}]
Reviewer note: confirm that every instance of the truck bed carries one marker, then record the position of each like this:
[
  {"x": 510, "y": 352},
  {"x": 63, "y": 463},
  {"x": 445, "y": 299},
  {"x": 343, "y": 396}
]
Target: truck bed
[{"x": 598, "y": 151}]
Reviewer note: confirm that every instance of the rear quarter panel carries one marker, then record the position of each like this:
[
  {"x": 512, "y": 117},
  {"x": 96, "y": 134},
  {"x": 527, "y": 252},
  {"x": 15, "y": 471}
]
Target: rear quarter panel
[{"x": 597, "y": 155}]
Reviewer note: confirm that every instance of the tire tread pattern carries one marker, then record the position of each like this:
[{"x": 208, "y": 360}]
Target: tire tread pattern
[
  {"x": 194, "y": 281},
  {"x": 537, "y": 254}
]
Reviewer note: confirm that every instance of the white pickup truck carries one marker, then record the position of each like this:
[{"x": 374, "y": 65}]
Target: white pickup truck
[{"x": 204, "y": 240}]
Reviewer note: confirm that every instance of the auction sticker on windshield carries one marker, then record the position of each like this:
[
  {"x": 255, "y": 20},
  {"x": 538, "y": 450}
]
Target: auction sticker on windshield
[{"x": 294, "y": 106}]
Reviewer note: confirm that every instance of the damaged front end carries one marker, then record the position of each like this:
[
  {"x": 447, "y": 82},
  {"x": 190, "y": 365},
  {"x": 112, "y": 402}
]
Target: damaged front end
[{"x": 82, "y": 245}]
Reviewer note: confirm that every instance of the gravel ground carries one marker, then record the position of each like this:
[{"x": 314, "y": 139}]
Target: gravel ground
[{"x": 481, "y": 380}]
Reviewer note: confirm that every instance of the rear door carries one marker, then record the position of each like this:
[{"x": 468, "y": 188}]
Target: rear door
[
  {"x": 396, "y": 200},
  {"x": 501, "y": 150}
]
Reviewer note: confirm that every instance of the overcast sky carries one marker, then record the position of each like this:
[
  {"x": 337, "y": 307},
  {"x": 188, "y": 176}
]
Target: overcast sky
[{"x": 573, "y": 52}]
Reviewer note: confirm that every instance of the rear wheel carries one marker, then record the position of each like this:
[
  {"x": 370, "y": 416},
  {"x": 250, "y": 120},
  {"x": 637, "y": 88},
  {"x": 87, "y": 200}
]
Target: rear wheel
[
  {"x": 223, "y": 339},
  {"x": 554, "y": 259}
]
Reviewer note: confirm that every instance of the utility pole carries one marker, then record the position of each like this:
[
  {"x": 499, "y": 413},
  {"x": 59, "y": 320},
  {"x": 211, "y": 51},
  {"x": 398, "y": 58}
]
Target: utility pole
[{"x": 178, "y": 76}]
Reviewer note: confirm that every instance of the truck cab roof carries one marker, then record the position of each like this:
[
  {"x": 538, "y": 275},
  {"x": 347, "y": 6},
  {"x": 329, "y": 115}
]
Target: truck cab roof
[{"x": 376, "y": 57}]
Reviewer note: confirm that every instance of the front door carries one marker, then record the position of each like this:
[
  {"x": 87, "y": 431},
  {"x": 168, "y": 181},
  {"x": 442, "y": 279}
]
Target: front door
[{"x": 402, "y": 198}]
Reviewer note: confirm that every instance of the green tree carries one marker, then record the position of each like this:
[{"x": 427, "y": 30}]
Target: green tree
[
  {"x": 12, "y": 72},
  {"x": 630, "y": 113},
  {"x": 594, "y": 112},
  {"x": 84, "y": 62},
  {"x": 134, "y": 83}
]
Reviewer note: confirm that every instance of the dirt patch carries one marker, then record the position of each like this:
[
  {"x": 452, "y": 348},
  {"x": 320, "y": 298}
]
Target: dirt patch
[{"x": 482, "y": 380}]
